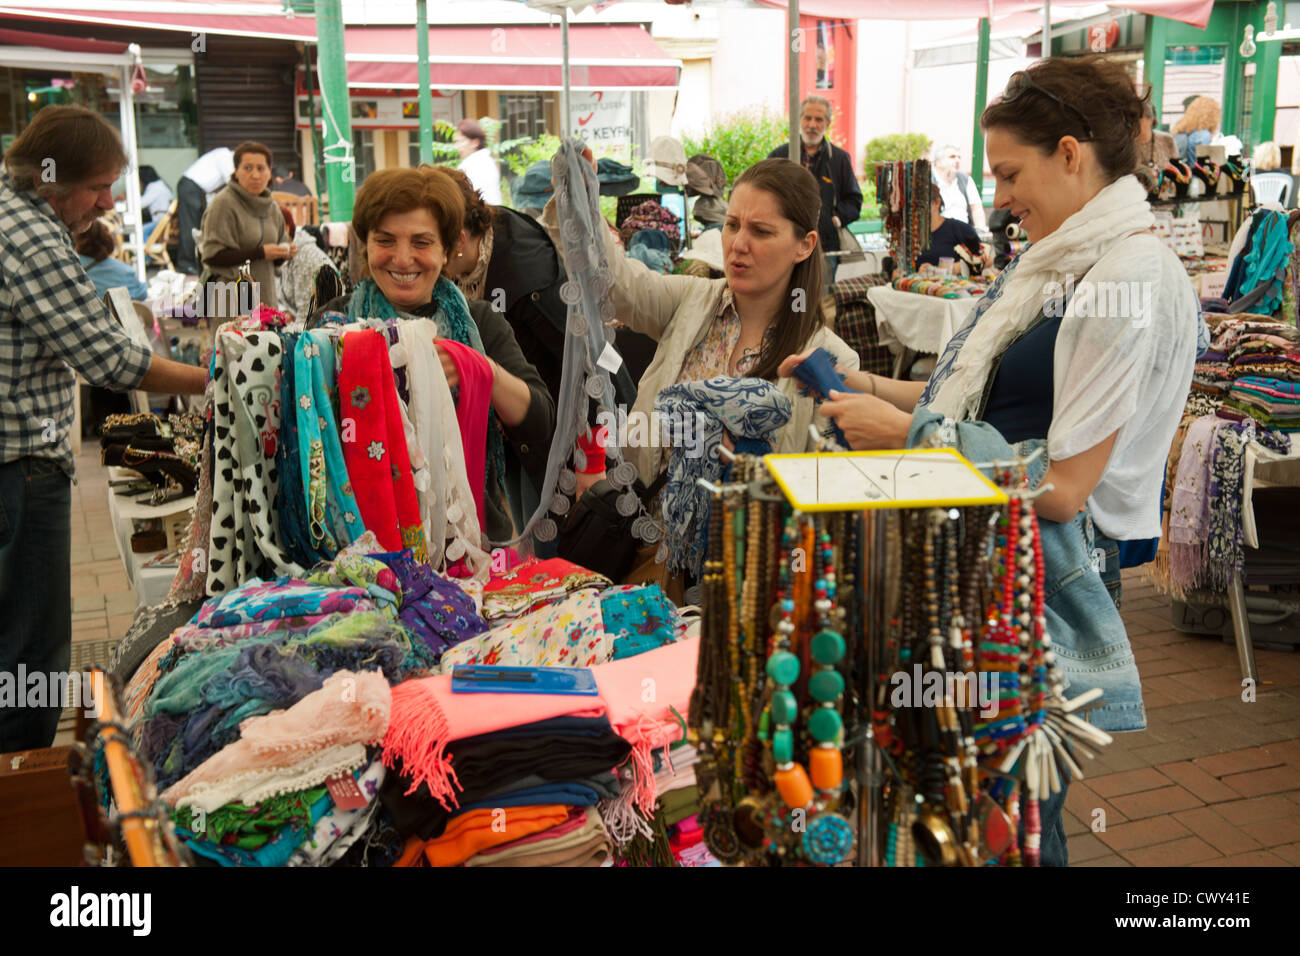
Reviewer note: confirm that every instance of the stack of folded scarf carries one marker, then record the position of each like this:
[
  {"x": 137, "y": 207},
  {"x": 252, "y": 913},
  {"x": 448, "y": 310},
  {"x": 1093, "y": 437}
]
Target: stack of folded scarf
[
  {"x": 1269, "y": 401},
  {"x": 478, "y": 771},
  {"x": 259, "y": 799}
]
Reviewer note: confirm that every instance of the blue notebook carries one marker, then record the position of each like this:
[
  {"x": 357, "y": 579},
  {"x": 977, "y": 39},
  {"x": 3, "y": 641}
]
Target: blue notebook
[{"x": 483, "y": 679}]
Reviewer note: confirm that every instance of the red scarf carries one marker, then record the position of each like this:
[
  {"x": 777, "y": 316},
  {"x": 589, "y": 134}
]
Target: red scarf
[
  {"x": 475, "y": 396},
  {"x": 378, "y": 463}
]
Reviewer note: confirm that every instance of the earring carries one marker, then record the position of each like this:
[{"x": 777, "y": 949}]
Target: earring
[{"x": 460, "y": 255}]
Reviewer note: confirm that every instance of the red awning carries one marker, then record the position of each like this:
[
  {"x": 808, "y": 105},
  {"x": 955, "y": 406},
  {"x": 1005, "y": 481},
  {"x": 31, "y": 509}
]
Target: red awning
[
  {"x": 248, "y": 18},
  {"x": 1194, "y": 12},
  {"x": 48, "y": 41},
  {"x": 601, "y": 57}
]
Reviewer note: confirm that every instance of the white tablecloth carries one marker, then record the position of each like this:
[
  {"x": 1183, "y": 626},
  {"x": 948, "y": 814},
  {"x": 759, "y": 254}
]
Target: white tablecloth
[
  {"x": 1265, "y": 467},
  {"x": 150, "y": 584},
  {"x": 922, "y": 323}
]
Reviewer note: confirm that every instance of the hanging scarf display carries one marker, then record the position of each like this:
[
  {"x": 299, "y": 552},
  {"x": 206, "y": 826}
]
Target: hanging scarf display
[
  {"x": 449, "y": 508},
  {"x": 291, "y": 495},
  {"x": 377, "y": 461},
  {"x": 451, "y": 316},
  {"x": 246, "y": 403},
  {"x": 744, "y": 408},
  {"x": 333, "y": 516},
  {"x": 475, "y": 390}
]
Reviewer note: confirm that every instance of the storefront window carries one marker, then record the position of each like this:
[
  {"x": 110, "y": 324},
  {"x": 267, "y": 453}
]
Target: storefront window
[
  {"x": 522, "y": 117},
  {"x": 166, "y": 116},
  {"x": 363, "y": 153}
]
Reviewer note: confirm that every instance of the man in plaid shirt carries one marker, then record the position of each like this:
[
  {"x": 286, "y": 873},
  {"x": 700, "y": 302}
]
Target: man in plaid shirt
[{"x": 58, "y": 179}]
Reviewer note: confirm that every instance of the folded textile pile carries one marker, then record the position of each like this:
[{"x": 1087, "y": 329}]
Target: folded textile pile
[
  {"x": 1270, "y": 401},
  {"x": 530, "y": 758},
  {"x": 270, "y": 798}
]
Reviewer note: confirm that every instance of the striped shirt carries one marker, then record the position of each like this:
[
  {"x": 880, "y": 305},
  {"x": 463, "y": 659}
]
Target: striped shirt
[{"x": 51, "y": 322}]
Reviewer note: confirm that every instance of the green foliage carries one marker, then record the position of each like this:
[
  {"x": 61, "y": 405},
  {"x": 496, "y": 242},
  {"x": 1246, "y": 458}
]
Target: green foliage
[
  {"x": 522, "y": 153},
  {"x": 739, "y": 140},
  {"x": 886, "y": 149},
  {"x": 870, "y": 208}
]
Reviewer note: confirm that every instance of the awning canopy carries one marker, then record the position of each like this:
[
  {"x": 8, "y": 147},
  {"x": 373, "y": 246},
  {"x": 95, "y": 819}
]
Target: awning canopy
[
  {"x": 1194, "y": 12},
  {"x": 247, "y": 18},
  {"x": 601, "y": 57},
  {"x": 48, "y": 41}
]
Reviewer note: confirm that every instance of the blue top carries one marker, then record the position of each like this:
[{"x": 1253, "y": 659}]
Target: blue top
[
  {"x": 111, "y": 273},
  {"x": 944, "y": 241},
  {"x": 1021, "y": 401}
]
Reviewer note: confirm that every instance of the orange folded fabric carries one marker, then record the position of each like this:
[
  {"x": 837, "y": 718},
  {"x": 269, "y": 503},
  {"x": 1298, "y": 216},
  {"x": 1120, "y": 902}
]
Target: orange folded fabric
[{"x": 477, "y": 830}]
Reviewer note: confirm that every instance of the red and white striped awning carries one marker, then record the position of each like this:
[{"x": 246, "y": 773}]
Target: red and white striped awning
[
  {"x": 601, "y": 57},
  {"x": 246, "y": 18}
]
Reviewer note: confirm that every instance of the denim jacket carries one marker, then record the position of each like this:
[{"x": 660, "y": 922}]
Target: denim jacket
[{"x": 1092, "y": 648}]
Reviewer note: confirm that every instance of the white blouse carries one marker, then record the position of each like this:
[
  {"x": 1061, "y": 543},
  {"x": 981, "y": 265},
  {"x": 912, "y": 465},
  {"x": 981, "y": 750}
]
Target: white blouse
[{"x": 1123, "y": 362}]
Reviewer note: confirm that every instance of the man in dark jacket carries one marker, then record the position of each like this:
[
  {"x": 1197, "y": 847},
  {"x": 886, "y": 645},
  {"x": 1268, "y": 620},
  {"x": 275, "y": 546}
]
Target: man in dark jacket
[{"x": 833, "y": 167}]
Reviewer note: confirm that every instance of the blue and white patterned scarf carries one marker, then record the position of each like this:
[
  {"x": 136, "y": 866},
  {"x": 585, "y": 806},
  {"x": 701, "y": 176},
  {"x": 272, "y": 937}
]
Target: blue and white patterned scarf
[{"x": 745, "y": 408}]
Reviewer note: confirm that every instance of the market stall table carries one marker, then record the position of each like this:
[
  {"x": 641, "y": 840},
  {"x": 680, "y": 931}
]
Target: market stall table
[
  {"x": 150, "y": 584},
  {"x": 912, "y": 324}
]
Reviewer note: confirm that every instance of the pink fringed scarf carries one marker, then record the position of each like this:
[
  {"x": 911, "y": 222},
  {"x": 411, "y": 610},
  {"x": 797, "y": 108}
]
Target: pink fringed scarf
[
  {"x": 638, "y": 694},
  {"x": 472, "y": 403}
]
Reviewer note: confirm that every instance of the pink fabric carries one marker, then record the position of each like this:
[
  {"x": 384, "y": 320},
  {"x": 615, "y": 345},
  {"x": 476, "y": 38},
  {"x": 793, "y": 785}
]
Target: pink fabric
[
  {"x": 645, "y": 695},
  {"x": 427, "y": 717},
  {"x": 348, "y": 708},
  {"x": 472, "y": 413}
]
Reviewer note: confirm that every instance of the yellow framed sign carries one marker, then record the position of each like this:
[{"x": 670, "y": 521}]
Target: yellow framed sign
[{"x": 850, "y": 481}]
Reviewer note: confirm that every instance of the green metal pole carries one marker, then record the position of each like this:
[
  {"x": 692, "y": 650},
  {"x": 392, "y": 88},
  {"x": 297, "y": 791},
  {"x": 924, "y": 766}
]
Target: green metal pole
[
  {"x": 1233, "y": 68},
  {"x": 422, "y": 78},
  {"x": 1153, "y": 60},
  {"x": 340, "y": 171},
  {"x": 981, "y": 99},
  {"x": 1263, "y": 106}
]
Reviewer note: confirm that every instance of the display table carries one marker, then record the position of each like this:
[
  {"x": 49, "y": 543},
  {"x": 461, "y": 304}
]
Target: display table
[
  {"x": 150, "y": 584},
  {"x": 908, "y": 322}
]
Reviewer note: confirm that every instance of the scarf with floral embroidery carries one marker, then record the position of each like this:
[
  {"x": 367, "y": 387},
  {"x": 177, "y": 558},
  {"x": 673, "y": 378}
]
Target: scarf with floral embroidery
[{"x": 377, "y": 459}]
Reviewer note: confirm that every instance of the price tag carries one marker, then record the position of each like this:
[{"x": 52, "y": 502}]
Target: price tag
[
  {"x": 345, "y": 793},
  {"x": 609, "y": 359}
]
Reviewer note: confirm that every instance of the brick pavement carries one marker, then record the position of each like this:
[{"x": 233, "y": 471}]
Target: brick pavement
[{"x": 1213, "y": 781}]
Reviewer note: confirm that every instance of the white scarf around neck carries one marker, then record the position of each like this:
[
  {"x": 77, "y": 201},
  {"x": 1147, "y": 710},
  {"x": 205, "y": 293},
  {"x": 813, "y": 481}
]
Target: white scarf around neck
[{"x": 1116, "y": 212}]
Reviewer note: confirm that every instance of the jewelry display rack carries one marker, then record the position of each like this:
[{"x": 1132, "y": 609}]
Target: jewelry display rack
[{"x": 939, "y": 782}]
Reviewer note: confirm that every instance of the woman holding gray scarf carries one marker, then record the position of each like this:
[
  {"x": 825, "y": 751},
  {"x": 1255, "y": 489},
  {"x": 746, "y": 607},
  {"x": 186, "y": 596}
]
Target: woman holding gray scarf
[{"x": 244, "y": 224}]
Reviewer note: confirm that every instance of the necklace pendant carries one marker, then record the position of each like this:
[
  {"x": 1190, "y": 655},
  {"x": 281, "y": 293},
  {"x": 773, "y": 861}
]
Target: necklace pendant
[{"x": 828, "y": 839}]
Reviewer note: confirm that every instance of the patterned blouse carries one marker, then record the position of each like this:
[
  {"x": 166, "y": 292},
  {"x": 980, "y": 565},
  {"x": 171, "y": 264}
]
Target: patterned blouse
[{"x": 712, "y": 357}]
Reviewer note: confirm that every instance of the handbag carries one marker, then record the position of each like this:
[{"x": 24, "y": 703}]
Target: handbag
[
  {"x": 597, "y": 536},
  {"x": 850, "y": 248}
]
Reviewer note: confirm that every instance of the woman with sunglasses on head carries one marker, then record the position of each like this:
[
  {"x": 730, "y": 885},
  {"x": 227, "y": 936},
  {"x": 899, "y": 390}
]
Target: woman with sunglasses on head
[{"x": 1085, "y": 344}]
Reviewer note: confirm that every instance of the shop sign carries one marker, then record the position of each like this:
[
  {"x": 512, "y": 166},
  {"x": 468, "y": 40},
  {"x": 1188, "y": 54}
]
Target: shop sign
[{"x": 604, "y": 121}]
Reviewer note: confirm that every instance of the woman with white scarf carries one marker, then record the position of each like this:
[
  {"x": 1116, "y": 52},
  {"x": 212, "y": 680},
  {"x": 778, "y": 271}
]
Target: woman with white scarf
[{"x": 1086, "y": 341}]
